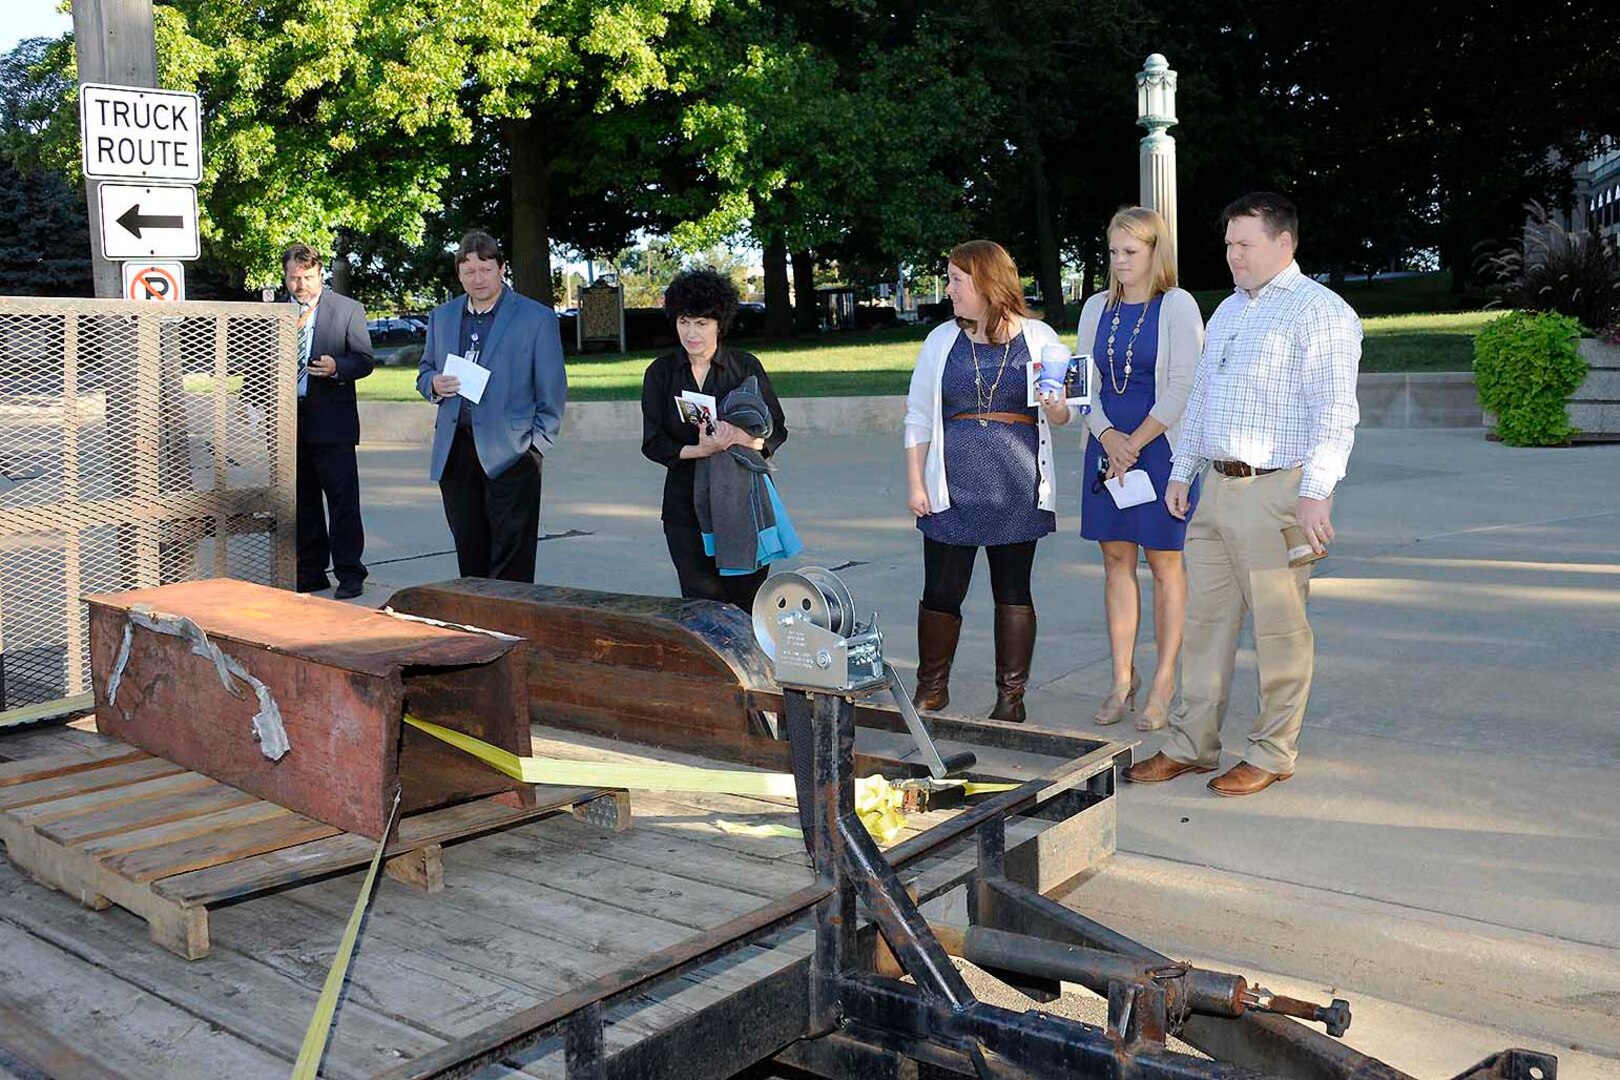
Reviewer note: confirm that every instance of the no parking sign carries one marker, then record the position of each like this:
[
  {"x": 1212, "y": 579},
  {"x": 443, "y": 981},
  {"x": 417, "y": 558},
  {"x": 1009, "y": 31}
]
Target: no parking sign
[{"x": 161, "y": 281}]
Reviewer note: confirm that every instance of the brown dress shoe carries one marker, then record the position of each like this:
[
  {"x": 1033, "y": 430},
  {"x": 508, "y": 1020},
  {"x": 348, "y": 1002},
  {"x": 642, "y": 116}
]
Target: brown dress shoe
[
  {"x": 1159, "y": 768},
  {"x": 1245, "y": 779}
]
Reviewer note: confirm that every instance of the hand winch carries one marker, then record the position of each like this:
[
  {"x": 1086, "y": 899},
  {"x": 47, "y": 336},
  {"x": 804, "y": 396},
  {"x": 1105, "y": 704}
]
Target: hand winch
[{"x": 804, "y": 621}]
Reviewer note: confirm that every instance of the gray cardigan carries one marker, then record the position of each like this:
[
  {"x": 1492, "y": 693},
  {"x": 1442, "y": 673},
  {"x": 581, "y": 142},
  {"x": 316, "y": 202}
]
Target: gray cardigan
[{"x": 1181, "y": 341}]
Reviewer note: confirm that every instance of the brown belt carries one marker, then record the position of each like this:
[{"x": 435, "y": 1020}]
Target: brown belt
[
  {"x": 1000, "y": 417},
  {"x": 1238, "y": 468}
]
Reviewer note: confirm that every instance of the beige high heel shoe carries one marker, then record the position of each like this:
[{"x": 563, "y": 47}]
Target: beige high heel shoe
[
  {"x": 1155, "y": 714},
  {"x": 1120, "y": 701}
]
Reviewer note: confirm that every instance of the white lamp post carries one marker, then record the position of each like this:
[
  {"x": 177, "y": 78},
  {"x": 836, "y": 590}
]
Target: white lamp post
[{"x": 1156, "y": 111}]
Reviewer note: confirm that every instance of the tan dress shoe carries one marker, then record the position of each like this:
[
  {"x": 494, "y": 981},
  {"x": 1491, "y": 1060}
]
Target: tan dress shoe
[
  {"x": 1245, "y": 779},
  {"x": 1159, "y": 768}
]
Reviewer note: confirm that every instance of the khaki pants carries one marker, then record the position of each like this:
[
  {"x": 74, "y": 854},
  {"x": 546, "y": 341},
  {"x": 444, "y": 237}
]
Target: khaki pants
[{"x": 1237, "y": 563}]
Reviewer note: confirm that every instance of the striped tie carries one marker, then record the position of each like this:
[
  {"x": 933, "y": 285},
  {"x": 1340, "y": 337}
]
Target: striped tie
[{"x": 306, "y": 338}]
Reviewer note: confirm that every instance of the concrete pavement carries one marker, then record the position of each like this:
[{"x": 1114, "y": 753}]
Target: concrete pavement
[{"x": 1450, "y": 840}]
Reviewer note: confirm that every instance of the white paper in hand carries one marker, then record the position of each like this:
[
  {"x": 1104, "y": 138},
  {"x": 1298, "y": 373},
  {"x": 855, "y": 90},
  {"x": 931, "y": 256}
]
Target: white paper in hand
[
  {"x": 1132, "y": 489},
  {"x": 473, "y": 377}
]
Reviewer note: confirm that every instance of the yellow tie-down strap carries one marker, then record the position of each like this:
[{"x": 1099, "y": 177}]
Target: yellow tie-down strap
[{"x": 877, "y": 800}]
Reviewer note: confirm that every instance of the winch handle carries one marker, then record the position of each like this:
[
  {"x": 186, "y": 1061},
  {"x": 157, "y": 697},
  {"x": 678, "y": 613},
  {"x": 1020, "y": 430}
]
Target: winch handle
[{"x": 939, "y": 768}]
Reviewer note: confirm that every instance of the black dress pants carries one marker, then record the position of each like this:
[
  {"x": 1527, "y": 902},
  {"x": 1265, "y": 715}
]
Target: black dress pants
[
  {"x": 495, "y": 520},
  {"x": 700, "y": 578},
  {"x": 328, "y": 494}
]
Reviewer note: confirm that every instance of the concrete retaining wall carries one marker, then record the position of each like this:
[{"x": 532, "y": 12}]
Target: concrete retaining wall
[
  {"x": 1594, "y": 407},
  {"x": 1443, "y": 399}
]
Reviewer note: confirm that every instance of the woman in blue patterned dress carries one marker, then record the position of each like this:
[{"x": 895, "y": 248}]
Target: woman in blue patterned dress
[
  {"x": 1144, "y": 336},
  {"x": 979, "y": 460}
]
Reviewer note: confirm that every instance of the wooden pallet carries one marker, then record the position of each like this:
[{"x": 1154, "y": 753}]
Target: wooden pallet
[{"x": 119, "y": 826}]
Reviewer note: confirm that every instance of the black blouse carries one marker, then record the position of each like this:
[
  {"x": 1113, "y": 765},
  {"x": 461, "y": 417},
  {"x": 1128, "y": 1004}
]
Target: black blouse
[{"x": 663, "y": 432}]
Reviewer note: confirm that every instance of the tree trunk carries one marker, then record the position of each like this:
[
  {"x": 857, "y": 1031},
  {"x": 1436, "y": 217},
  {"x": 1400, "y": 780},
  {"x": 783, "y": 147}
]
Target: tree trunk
[
  {"x": 778, "y": 312},
  {"x": 805, "y": 316},
  {"x": 1049, "y": 261},
  {"x": 340, "y": 263},
  {"x": 530, "y": 251}
]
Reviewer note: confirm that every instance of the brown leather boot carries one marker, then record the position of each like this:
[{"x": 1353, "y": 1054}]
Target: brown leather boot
[
  {"x": 1015, "y": 647},
  {"x": 937, "y": 634}
]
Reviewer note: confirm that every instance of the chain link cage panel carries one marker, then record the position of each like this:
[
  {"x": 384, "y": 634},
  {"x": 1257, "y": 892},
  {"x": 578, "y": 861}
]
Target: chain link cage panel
[{"x": 140, "y": 444}]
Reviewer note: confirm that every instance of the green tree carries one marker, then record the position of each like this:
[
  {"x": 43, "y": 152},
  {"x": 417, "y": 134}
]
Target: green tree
[
  {"x": 829, "y": 132},
  {"x": 44, "y": 235}
]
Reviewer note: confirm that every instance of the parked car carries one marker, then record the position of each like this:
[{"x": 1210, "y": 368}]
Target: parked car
[{"x": 395, "y": 331}]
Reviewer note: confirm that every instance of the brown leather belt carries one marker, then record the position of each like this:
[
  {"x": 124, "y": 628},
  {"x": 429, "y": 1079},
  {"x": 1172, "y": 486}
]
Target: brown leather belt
[
  {"x": 999, "y": 417},
  {"x": 1238, "y": 468}
]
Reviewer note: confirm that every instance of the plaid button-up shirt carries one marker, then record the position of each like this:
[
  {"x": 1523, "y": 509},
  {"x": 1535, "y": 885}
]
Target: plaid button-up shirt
[{"x": 1276, "y": 385}]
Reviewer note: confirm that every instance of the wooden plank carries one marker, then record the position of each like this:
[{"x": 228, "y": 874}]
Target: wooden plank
[
  {"x": 48, "y": 742},
  {"x": 41, "y": 768},
  {"x": 82, "y": 781},
  {"x": 211, "y": 849},
  {"x": 391, "y": 981},
  {"x": 57, "y": 809},
  {"x": 436, "y": 931},
  {"x": 22, "y": 1039},
  {"x": 235, "y": 992},
  {"x": 661, "y": 849},
  {"x": 636, "y": 889},
  {"x": 125, "y": 1029},
  {"x": 182, "y": 930},
  {"x": 422, "y": 869},
  {"x": 191, "y": 802},
  {"x": 209, "y": 824},
  {"x": 271, "y": 870}
]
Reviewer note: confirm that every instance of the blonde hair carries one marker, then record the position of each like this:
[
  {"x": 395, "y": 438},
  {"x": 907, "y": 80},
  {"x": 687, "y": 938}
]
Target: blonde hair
[
  {"x": 995, "y": 279},
  {"x": 1148, "y": 226}
]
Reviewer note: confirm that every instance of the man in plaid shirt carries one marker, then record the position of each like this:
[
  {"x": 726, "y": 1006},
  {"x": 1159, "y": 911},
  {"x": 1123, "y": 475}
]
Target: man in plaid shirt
[{"x": 1272, "y": 417}]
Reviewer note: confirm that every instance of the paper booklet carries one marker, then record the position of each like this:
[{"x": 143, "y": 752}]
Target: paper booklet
[
  {"x": 1058, "y": 368},
  {"x": 696, "y": 408}
]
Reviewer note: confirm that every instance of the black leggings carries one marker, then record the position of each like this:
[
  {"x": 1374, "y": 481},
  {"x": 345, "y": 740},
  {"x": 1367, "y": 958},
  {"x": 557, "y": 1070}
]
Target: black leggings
[{"x": 948, "y": 571}]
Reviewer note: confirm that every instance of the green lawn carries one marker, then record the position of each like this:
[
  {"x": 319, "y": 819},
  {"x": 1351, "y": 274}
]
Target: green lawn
[{"x": 879, "y": 362}]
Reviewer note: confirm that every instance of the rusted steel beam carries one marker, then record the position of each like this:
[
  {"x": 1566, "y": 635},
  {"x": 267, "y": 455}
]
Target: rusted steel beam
[
  {"x": 340, "y": 677},
  {"x": 657, "y": 671}
]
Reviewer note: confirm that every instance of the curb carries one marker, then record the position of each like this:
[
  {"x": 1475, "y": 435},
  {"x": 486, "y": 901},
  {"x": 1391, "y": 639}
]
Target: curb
[
  {"x": 1443, "y": 399},
  {"x": 1563, "y": 991}
]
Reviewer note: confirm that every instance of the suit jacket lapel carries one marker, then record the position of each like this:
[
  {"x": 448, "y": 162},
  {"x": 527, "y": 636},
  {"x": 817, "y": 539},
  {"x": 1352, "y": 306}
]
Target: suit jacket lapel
[
  {"x": 328, "y": 339},
  {"x": 497, "y": 329}
]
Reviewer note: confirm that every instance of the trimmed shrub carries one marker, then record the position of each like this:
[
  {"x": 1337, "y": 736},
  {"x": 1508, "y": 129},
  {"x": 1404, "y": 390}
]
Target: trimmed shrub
[{"x": 1525, "y": 365}]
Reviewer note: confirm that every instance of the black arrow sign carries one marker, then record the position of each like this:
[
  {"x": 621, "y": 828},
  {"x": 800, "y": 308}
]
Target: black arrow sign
[{"x": 134, "y": 221}]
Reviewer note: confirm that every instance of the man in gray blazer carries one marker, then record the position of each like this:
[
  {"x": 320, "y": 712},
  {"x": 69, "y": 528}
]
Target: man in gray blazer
[
  {"x": 487, "y": 455},
  {"x": 334, "y": 350}
]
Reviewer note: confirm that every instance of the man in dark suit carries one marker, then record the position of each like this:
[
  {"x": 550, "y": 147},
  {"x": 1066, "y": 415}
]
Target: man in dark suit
[
  {"x": 334, "y": 350},
  {"x": 487, "y": 455}
]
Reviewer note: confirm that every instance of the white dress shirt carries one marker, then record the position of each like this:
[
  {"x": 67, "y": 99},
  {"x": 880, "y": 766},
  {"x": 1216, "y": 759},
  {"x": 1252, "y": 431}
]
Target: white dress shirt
[{"x": 1276, "y": 385}]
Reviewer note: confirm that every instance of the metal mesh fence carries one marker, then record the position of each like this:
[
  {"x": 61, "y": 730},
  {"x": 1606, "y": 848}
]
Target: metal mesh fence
[{"x": 140, "y": 444}]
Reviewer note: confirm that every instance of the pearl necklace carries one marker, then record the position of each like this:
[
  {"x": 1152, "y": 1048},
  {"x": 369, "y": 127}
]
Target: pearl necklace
[{"x": 1130, "y": 347}]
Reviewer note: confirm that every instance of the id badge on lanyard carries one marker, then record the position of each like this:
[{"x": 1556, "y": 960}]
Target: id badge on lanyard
[{"x": 472, "y": 348}]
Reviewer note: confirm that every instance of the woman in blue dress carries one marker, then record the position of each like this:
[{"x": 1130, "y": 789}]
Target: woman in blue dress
[
  {"x": 979, "y": 460},
  {"x": 1144, "y": 336}
]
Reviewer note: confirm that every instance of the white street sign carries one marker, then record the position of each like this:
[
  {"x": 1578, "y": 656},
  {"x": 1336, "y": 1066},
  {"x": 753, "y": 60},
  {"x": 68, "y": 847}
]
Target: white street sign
[
  {"x": 164, "y": 282},
  {"x": 138, "y": 133},
  {"x": 148, "y": 222}
]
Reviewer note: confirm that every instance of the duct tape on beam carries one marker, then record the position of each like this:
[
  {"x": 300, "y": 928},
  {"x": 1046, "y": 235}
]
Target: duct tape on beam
[{"x": 267, "y": 726}]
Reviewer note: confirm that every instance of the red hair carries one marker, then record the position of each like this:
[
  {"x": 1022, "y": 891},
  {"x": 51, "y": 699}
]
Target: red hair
[{"x": 995, "y": 279}]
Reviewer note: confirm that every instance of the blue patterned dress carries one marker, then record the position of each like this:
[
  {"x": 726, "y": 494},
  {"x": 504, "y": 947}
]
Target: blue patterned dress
[
  {"x": 1150, "y": 524},
  {"x": 991, "y": 469}
]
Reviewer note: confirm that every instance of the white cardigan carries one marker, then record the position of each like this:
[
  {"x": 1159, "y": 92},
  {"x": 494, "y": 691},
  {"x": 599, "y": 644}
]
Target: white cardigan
[
  {"x": 1181, "y": 342},
  {"x": 925, "y": 422}
]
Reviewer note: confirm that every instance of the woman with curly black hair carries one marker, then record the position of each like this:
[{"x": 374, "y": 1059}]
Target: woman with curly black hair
[{"x": 701, "y": 304}]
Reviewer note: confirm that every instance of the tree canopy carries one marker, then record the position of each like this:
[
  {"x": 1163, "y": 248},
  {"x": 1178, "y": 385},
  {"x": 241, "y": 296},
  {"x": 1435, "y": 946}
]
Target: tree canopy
[{"x": 871, "y": 136}]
